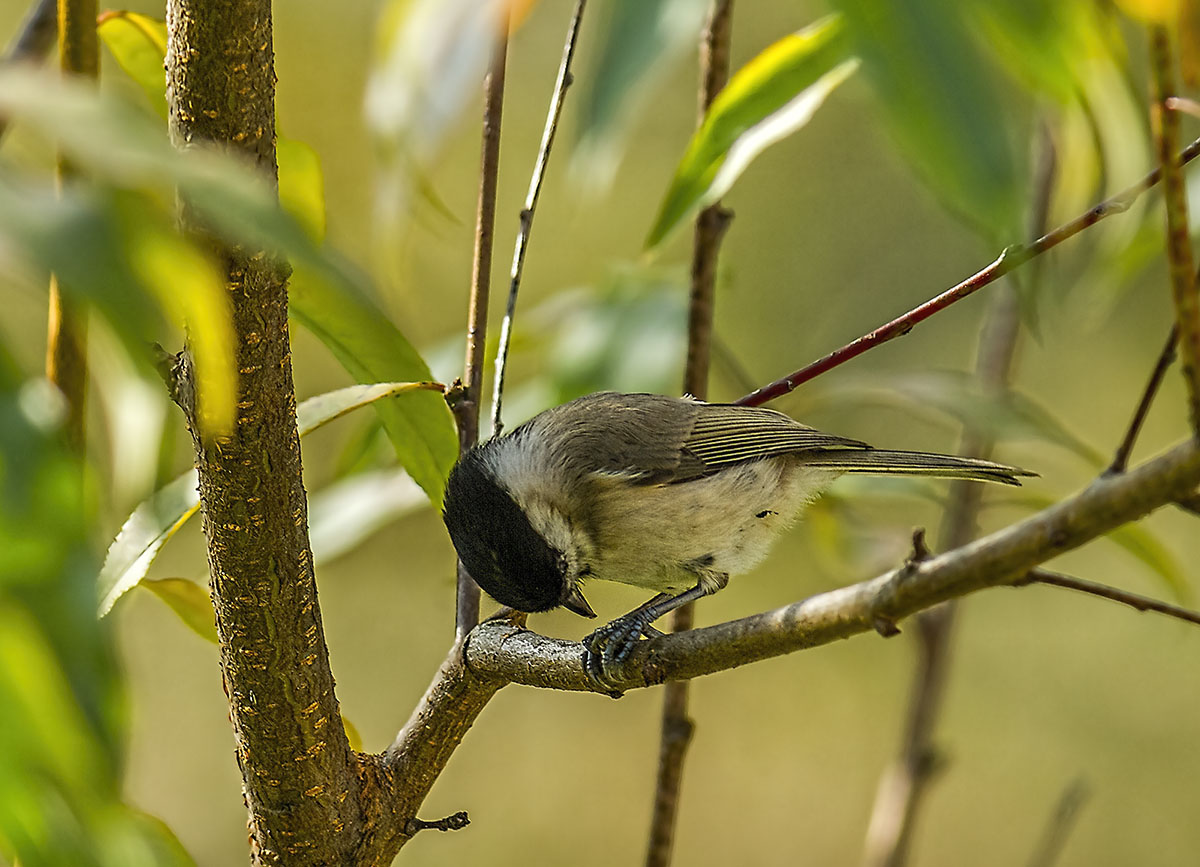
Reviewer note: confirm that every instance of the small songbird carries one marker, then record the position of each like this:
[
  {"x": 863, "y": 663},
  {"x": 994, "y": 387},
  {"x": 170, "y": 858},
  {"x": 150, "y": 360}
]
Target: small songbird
[{"x": 671, "y": 494}]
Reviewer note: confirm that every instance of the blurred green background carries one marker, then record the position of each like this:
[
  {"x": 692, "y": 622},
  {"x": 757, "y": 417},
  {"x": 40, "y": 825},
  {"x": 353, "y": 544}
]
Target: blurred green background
[{"x": 834, "y": 234}]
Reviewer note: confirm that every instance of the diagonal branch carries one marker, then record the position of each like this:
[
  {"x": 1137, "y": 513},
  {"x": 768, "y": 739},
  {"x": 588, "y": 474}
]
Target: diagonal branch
[
  {"x": 514, "y": 654},
  {"x": 1012, "y": 258}
]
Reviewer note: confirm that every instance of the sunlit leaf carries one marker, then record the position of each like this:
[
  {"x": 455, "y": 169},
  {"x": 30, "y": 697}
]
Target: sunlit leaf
[
  {"x": 301, "y": 185},
  {"x": 372, "y": 349},
  {"x": 352, "y": 734},
  {"x": 187, "y": 599},
  {"x": 769, "y": 98},
  {"x": 157, "y": 519},
  {"x": 642, "y": 40},
  {"x": 940, "y": 93},
  {"x": 142, "y": 536},
  {"x": 139, "y": 44}
]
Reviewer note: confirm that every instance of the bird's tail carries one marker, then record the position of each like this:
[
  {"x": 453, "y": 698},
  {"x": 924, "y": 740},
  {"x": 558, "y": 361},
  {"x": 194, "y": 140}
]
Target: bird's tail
[{"x": 887, "y": 462}]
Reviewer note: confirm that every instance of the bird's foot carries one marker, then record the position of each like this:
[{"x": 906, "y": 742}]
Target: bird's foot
[{"x": 609, "y": 646}]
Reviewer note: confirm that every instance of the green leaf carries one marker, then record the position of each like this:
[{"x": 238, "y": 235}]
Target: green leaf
[
  {"x": 940, "y": 92},
  {"x": 372, "y": 349},
  {"x": 142, "y": 536},
  {"x": 770, "y": 97},
  {"x": 301, "y": 185},
  {"x": 642, "y": 40},
  {"x": 187, "y": 599},
  {"x": 157, "y": 519},
  {"x": 139, "y": 45}
]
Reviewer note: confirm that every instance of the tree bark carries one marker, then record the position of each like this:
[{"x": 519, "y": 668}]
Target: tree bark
[{"x": 299, "y": 773}]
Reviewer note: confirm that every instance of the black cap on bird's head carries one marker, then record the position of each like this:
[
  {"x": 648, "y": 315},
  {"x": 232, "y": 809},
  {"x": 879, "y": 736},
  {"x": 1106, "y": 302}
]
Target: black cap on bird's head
[{"x": 498, "y": 545}]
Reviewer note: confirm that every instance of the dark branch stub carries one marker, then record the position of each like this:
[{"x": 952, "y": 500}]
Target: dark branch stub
[{"x": 454, "y": 822}]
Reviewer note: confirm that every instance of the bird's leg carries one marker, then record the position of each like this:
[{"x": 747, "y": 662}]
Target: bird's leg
[{"x": 612, "y": 643}]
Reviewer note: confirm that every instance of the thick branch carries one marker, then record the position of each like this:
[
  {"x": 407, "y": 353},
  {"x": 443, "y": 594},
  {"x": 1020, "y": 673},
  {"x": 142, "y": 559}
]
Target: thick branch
[
  {"x": 515, "y": 654},
  {"x": 297, "y": 767},
  {"x": 1006, "y": 262}
]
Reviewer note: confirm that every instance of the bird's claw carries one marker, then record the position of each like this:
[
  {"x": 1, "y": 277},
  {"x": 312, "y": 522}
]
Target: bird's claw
[{"x": 610, "y": 645}]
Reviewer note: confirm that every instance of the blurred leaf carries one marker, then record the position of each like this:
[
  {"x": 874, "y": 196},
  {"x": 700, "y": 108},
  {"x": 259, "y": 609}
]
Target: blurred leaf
[
  {"x": 157, "y": 519},
  {"x": 352, "y": 734},
  {"x": 342, "y": 515},
  {"x": 301, "y": 185},
  {"x": 769, "y": 98},
  {"x": 941, "y": 96},
  {"x": 370, "y": 347},
  {"x": 642, "y": 40},
  {"x": 1134, "y": 538},
  {"x": 958, "y": 395},
  {"x": 187, "y": 599},
  {"x": 139, "y": 45},
  {"x": 142, "y": 536},
  {"x": 1164, "y": 12}
]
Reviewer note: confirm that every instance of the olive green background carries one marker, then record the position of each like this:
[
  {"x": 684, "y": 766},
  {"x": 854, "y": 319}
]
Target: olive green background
[{"x": 833, "y": 235}]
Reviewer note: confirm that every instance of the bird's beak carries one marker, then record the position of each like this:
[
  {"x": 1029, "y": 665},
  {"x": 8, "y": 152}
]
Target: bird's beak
[{"x": 575, "y": 602}]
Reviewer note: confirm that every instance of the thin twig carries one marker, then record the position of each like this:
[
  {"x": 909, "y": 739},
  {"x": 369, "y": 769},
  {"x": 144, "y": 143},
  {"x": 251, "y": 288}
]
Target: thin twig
[
  {"x": 1165, "y": 124},
  {"x": 1011, "y": 258},
  {"x": 677, "y": 726},
  {"x": 454, "y": 822},
  {"x": 903, "y": 786},
  {"x": 564, "y": 81},
  {"x": 1071, "y": 801},
  {"x": 1133, "y": 600},
  {"x": 466, "y": 410},
  {"x": 1125, "y": 449}
]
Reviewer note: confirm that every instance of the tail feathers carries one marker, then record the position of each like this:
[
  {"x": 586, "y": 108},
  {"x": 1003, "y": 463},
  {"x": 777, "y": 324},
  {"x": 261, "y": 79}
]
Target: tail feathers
[{"x": 886, "y": 462}]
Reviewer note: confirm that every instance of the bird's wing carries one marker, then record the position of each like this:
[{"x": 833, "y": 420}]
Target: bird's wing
[{"x": 725, "y": 434}]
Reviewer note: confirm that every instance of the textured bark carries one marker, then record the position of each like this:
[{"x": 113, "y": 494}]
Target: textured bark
[{"x": 299, "y": 773}]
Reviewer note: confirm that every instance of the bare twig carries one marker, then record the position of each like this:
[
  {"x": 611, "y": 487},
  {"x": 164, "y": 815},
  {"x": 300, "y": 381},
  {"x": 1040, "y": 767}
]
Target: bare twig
[
  {"x": 1133, "y": 600},
  {"x": 1165, "y": 124},
  {"x": 66, "y": 331},
  {"x": 1059, "y": 826},
  {"x": 903, "y": 785},
  {"x": 466, "y": 410},
  {"x": 677, "y": 726},
  {"x": 34, "y": 40},
  {"x": 564, "y": 80},
  {"x": 1008, "y": 260},
  {"x": 454, "y": 822},
  {"x": 1125, "y": 449},
  {"x": 514, "y": 654}
]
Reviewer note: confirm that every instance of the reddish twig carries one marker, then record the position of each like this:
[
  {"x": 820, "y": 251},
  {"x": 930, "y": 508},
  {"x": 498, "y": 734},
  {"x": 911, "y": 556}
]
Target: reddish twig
[
  {"x": 1007, "y": 261},
  {"x": 1133, "y": 600},
  {"x": 677, "y": 726},
  {"x": 564, "y": 81},
  {"x": 466, "y": 409}
]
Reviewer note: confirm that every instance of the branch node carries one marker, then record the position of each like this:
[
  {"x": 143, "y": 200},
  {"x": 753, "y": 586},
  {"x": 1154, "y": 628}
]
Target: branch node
[
  {"x": 455, "y": 822},
  {"x": 885, "y": 626}
]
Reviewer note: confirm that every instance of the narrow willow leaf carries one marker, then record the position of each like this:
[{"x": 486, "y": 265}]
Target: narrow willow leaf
[
  {"x": 139, "y": 44},
  {"x": 372, "y": 349},
  {"x": 940, "y": 90},
  {"x": 642, "y": 40},
  {"x": 157, "y": 519},
  {"x": 352, "y": 734},
  {"x": 187, "y": 599},
  {"x": 769, "y": 98},
  {"x": 301, "y": 185}
]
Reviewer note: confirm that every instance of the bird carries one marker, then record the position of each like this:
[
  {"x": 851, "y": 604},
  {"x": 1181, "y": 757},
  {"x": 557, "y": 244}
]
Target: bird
[{"x": 669, "y": 494}]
